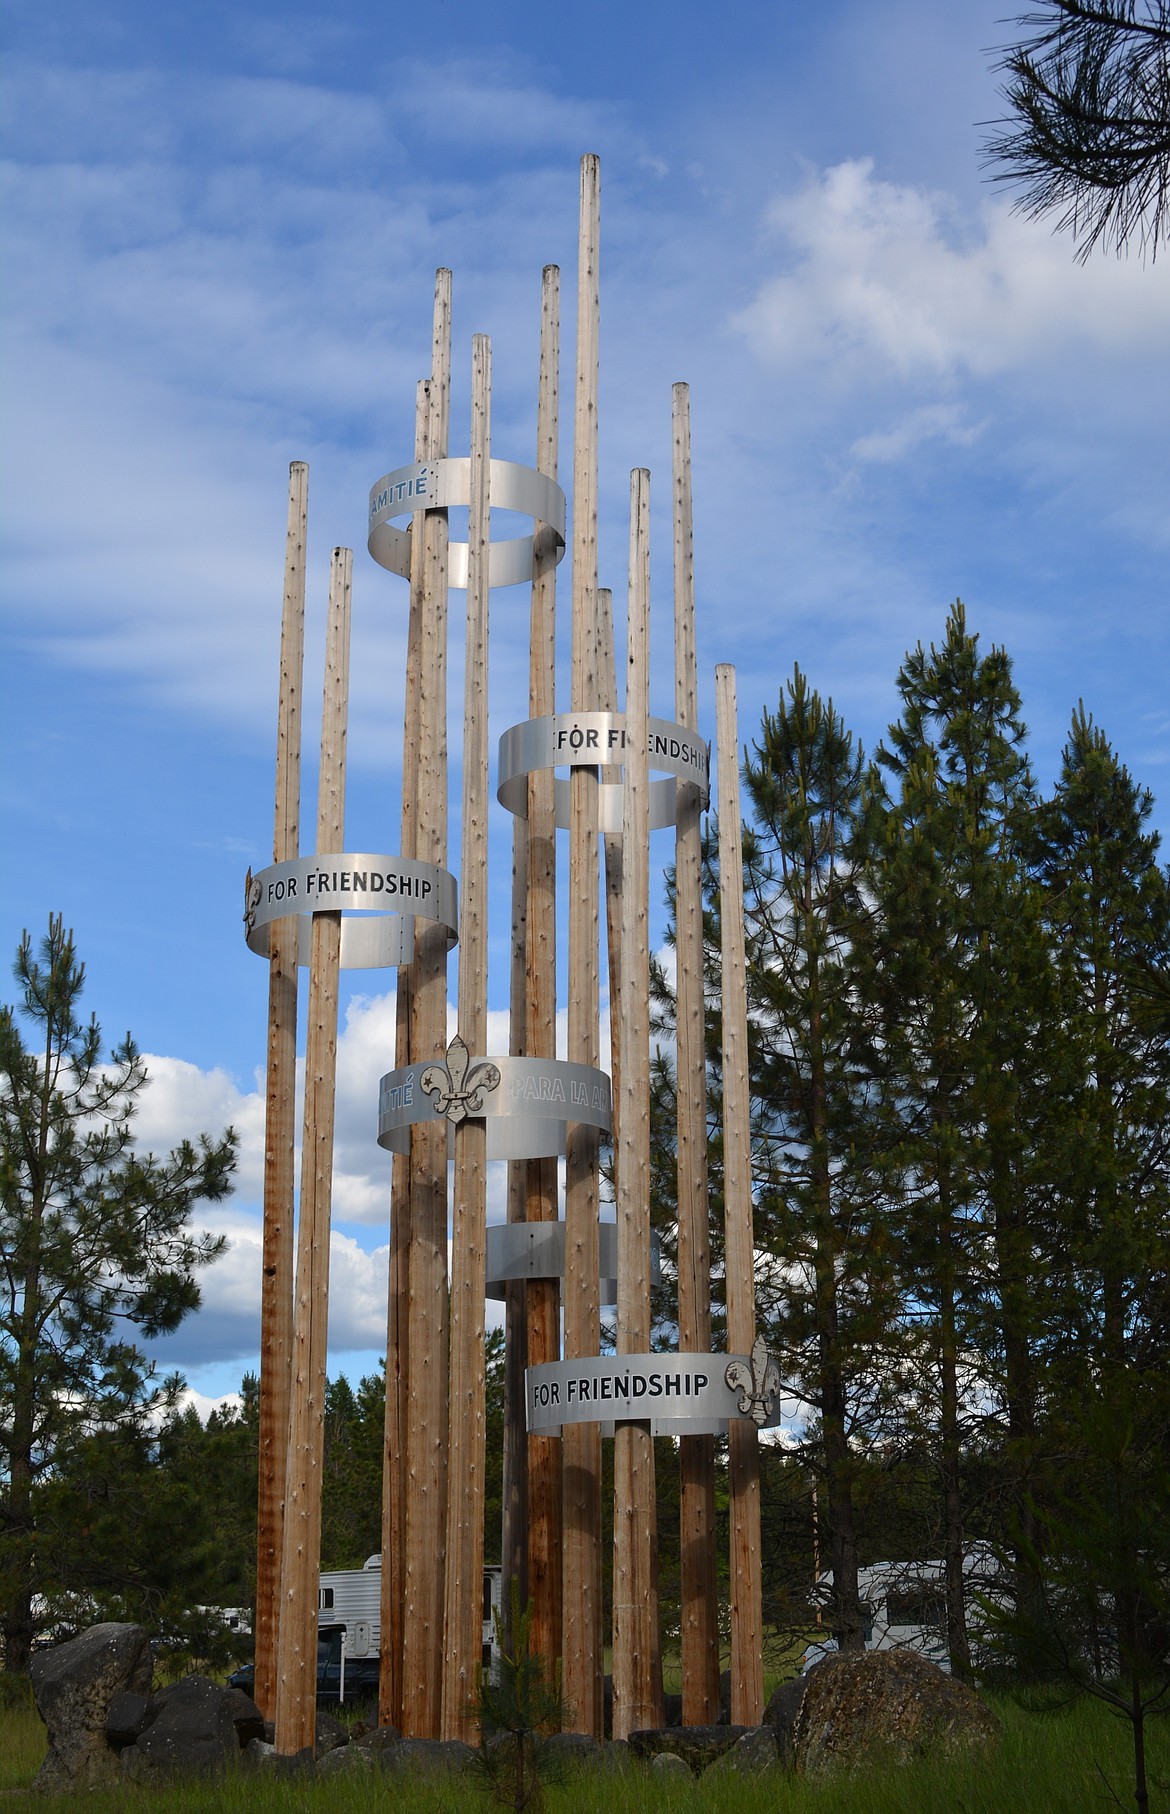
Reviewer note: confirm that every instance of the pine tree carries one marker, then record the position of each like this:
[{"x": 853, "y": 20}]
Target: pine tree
[
  {"x": 957, "y": 966},
  {"x": 97, "y": 1249},
  {"x": 830, "y": 1293}
]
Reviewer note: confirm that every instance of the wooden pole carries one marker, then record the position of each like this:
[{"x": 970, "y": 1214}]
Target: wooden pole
[
  {"x": 607, "y": 701},
  {"x": 514, "y": 1489},
  {"x": 747, "y": 1654},
  {"x": 276, "y": 1286},
  {"x": 463, "y": 1623},
  {"x": 397, "y": 1321},
  {"x": 637, "y": 1669},
  {"x": 428, "y": 1307},
  {"x": 542, "y": 1297},
  {"x": 296, "y": 1696},
  {"x": 581, "y": 1443},
  {"x": 700, "y": 1605}
]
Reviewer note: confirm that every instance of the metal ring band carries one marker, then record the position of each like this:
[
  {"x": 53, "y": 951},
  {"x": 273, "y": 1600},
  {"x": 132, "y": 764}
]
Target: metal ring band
[
  {"x": 536, "y": 1250},
  {"x": 378, "y": 896},
  {"x": 575, "y": 1391},
  {"x": 438, "y": 484},
  {"x": 595, "y": 739},
  {"x": 527, "y": 1114}
]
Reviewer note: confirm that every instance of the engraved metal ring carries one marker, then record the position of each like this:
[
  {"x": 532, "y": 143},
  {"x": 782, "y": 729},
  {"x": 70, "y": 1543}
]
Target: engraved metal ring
[
  {"x": 438, "y": 484},
  {"x": 527, "y": 1113},
  {"x": 378, "y": 897},
  {"x": 593, "y": 740}
]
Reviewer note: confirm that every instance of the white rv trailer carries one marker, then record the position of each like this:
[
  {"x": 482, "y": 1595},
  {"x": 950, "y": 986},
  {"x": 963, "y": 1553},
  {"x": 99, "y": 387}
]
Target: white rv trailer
[
  {"x": 350, "y": 1600},
  {"x": 905, "y": 1605}
]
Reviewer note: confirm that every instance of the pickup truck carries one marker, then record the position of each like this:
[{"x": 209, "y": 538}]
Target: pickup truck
[{"x": 356, "y": 1685}]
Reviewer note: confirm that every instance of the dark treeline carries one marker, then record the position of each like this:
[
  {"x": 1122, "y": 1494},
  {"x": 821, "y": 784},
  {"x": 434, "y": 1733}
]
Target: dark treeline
[{"x": 959, "y": 999}]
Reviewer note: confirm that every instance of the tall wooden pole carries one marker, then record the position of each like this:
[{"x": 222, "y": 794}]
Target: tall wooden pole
[
  {"x": 747, "y": 1654},
  {"x": 426, "y": 1435},
  {"x": 607, "y": 701},
  {"x": 296, "y": 1696},
  {"x": 465, "y": 1493},
  {"x": 581, "y": 1443},
  {"x": 542, "y": 1297},
  {"x": 276, "y": 1286},
  {"x": 514, "y": 1485},
  {"x": 397, "y": 1317},
  {"x": 696, "y": 1454},
  {"x": 637, "y": 1668}
]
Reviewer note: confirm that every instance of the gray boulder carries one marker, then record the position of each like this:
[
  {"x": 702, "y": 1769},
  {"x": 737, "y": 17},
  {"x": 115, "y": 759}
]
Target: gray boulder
[
  {"x": 126, "y": 1718},
  {"x": 331, "y": 1734},
  {"x": 669, "y": 1763},
  {"x": 347, "y": 1760},
  {"x": 75, "y": 1685},
  {"x": 781, "y": 1711},
  {"x": 194, "y": 1727},
  {"x": 697, "y": 1746},
  {"x": 430, "y": 1756},
  {"x": 751, "y": 1753},
  {"x": 888, "y": 1704}
]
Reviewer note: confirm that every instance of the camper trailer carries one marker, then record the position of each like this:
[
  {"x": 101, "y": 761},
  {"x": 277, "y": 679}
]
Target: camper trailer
[
  {"x": 349, "y": 1627},
  {"x": 905, "y": 1605}
]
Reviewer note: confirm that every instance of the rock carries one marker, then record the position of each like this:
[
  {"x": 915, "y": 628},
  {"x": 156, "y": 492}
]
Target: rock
[
  {"x": 125, "y": 1719},
  {"x": 75, "y": 1685},
  {"x": 781, "y": 1711},
  {"x": 668, "y": 1763},
  {"x": 892, "y": 1703},
  {"x": 672, "y": 1710},
  {"x": 697, "y": 1746},
  {"x": 246, "y": 1717},
  {"x": 190, "y": 1729},
  {"x": 257, "y": 1754},
  {"x": 431, "y": 1756},
  {"x": 756, "y": 1750},
  {"x": 381, "y": 1742},
  {"x": 572, "y": 1750},
  {"x": 331, "y": 1734},
  {"x": 346, "y": 1760},
  {"x": 725, "y": 1698}
]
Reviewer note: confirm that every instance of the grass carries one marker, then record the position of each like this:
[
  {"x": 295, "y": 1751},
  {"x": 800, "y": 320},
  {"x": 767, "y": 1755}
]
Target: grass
[{"x": 1074, "y": 1762}]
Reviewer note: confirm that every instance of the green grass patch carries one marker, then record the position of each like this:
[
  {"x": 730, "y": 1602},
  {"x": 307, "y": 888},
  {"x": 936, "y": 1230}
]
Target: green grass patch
[{"x": 1074, "y": 1762}]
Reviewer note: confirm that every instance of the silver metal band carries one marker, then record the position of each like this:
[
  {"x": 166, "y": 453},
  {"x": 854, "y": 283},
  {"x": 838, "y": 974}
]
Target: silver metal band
[
  {"x": 439, "y": 484},
  {"x": 378, "y": 897},
  {"x": 536, "y": 1250},
  {"x": 676, "y": 1394},
  {"x": 592, "y": 740},
  {"x": 527, "y": 1113}
]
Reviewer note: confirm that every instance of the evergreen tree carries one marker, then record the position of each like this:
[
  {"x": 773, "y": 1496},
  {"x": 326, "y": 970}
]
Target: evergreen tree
[
  {"x": 1090, "y": 127},
  {"x": 831, "y": 1304},
  {"x": 97, "y": 1249},
  {"x": 1108, "y": 904},
  {"x": 957, "y": 967}
]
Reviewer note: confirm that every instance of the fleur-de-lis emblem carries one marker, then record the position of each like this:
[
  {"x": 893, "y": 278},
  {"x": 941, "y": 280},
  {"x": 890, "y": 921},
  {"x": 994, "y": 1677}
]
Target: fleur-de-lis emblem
[
  {"x": 252, "y": 891},
  {"x": 758, "y": 1385},
  {"x": 459, "y": 1086}
]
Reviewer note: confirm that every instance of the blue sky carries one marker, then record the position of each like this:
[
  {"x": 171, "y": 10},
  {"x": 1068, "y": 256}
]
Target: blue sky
[{"x": 221, "y": 229}]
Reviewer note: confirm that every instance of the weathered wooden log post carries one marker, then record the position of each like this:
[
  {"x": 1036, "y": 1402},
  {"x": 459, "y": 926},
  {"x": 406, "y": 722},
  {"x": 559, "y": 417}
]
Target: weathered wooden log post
[
  {"x": 276, "y": 1284},
  {"x": 542, "y": 1296},
  {"x": 465, "y": 1493},
  {"x": 581, "y": 1442},
  {"x": 296, "y": 1697},
  {"x": 397, "y": 1301},
  {"x": 637, "y": 1670},
  {"x": 747, "y": 1655},
  {"x": 700, "y": 1606},
  {"x": 428, "y": 1306}
]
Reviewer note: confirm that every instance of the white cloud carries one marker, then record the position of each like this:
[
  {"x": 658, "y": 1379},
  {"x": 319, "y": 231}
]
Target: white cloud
[
  {"x": 885, "y": 278},
  {"x": 937, "y": 422}
]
